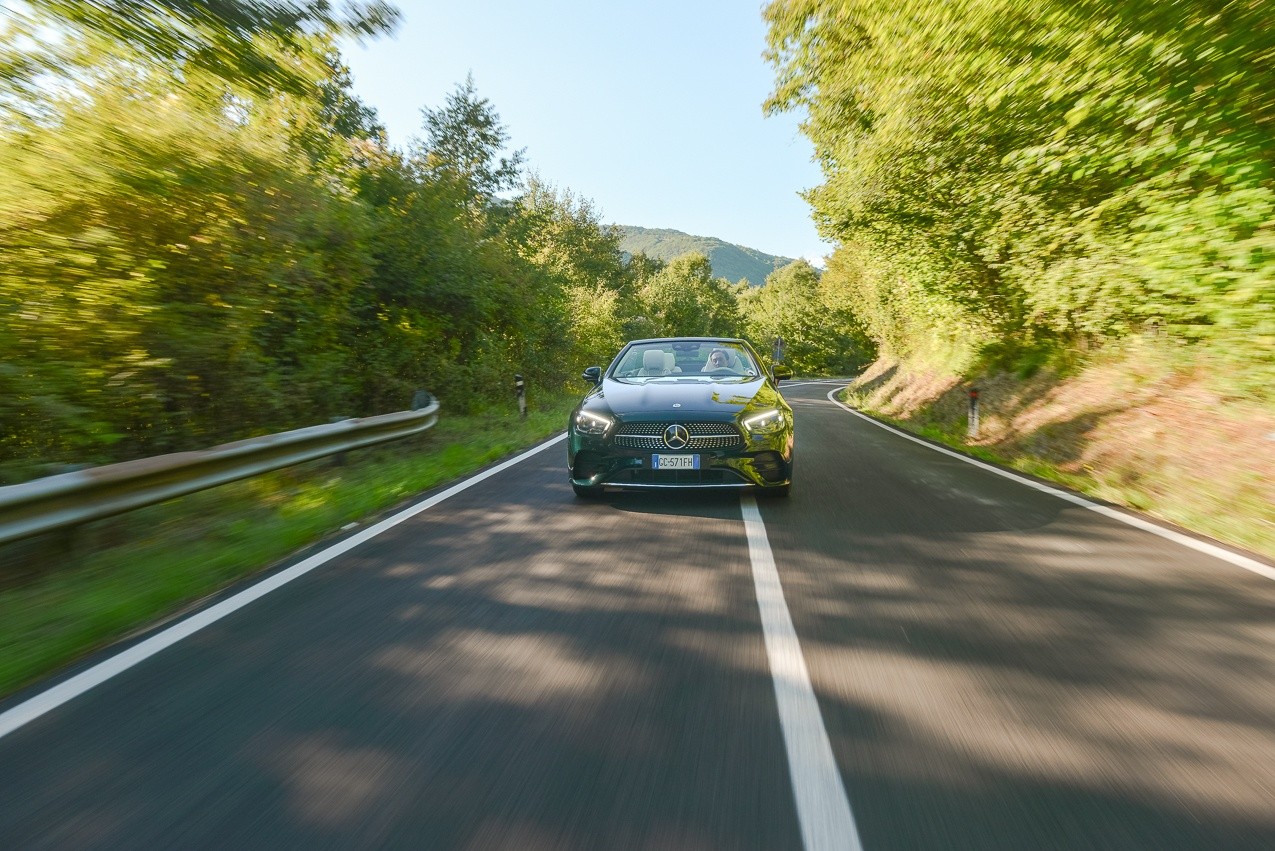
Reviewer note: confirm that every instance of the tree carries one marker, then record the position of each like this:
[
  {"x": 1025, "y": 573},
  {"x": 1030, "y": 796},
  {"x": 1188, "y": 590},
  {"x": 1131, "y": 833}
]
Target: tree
[
  {"x": 172, "y": 275},
  {"x": 251, "y": 42},
  {"x": 1010, "y": 175},
  {"x": 820, "y": 336},
  {"x": 684, "y": 298},
  {"x": 465, "y": 140},
  {"x": 562, "y": 235}
]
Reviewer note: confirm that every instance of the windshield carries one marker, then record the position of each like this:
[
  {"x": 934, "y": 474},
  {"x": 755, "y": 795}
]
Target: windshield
[{"x": 685, "y": 360}]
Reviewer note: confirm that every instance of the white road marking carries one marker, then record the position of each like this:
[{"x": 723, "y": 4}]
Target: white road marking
[
  {"x": 1128, "y": 519},
  {"x": 786, "y": 384},
  {"x": 822, "y": 806},
  {"x": 48, "y": 700}
]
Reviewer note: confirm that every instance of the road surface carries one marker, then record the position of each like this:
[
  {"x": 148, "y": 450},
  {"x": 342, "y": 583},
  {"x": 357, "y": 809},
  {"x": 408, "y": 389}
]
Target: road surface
[{"x": 910, "y": 652}]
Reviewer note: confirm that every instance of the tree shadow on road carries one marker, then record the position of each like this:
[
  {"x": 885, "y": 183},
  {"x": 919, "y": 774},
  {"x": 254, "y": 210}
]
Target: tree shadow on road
[{"x": 527, "y": 671}]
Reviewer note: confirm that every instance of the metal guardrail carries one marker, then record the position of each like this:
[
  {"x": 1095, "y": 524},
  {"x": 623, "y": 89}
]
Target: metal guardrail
[{"x": 69, "y": 499}]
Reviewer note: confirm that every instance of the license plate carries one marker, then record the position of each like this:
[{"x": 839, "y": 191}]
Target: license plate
[{"x": 674, "y": 462}]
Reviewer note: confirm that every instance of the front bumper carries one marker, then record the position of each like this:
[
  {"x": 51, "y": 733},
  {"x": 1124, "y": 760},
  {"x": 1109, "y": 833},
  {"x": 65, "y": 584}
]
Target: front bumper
[{"x": 760, "y": 462}]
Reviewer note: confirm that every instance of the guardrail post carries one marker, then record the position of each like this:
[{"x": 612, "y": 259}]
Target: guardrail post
[
  {"x": 971, "y": 430},
  {"x": 520, "y": 387},
  {"x": 338, "y": 459}
]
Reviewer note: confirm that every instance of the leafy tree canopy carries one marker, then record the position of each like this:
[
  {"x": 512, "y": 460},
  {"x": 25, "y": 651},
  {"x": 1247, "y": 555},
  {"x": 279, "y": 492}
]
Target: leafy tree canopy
[
  {"x": 1043, "y": 173},
  {"x": 465, "y": 140},
  {"x": 246, "y": 41}
]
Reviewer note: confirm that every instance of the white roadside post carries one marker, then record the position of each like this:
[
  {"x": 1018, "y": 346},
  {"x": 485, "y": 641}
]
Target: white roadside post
[
  {"x": 520, "y": 387},
  {"x": 972, "y": 429}
]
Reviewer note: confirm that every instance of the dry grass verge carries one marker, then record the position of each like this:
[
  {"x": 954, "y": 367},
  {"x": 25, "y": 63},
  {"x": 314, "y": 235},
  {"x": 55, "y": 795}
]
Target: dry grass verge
[{"x": 1125, "y": 430}]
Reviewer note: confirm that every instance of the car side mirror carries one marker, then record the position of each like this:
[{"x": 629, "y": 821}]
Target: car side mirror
[
  {"x": 593, "y": 375},
  {"x": 780, "y": 371}
]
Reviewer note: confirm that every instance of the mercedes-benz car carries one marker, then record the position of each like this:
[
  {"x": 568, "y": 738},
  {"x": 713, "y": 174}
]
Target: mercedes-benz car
[{"x": 699, "y": 412}]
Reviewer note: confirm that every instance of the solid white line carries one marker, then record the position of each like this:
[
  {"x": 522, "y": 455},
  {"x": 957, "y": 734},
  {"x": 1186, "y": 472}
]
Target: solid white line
[
  {"x": 46, "y": 701},
  {"x": 1129, "y": 520},
  {"x": 822, "y": 806},
  {"x": 787, "y": 384}
]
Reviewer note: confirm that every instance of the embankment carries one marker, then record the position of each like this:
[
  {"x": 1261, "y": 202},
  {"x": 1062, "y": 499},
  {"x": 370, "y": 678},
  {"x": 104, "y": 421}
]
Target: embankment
[{"x": 1123, "y": 430}]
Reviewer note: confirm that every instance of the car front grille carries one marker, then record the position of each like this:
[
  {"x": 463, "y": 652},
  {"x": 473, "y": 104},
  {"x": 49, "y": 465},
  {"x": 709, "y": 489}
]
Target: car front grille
[{"x": 703, "y": 436}]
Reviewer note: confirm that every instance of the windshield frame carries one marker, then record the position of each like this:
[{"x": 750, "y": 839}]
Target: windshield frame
[{"x": 690, "y": 356}]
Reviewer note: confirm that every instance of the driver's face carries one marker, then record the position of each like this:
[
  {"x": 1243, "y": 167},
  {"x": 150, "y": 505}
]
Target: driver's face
[{"x": 717, "y": 359}]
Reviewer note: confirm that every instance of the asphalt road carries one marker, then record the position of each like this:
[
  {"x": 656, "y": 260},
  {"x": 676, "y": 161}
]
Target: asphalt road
[{"x": 512, "y": 668}]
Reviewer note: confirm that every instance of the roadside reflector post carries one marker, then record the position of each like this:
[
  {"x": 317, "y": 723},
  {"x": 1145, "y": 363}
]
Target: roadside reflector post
[
  {"x": 520, "y": 387},
  {"x": 972, "y": 429}
]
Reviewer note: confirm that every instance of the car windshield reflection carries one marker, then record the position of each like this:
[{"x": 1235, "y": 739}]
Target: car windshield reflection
[
  {"x": 708, "y": 361},
  {"x": 687, "y": 379}
]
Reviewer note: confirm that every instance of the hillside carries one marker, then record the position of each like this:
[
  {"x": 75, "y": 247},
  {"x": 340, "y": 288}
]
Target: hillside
[{"x": 730, "y": 261}]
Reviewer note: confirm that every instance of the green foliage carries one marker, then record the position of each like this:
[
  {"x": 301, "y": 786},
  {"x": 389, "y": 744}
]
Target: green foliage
[
  {"x": 684, "y": 299},
  {"x": 821, "y": 335},
  {"x": 255, "y": 43},
  {"x": 464, "y": 140},
  {"x": 190, "y": 256},
  {"x": 159, "y": 268},
  {"x": 997, "y": 169},
  {"x": 561, "y": 235}
]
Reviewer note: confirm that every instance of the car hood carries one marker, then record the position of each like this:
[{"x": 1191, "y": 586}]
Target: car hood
[{"x": 717, "y": 399}]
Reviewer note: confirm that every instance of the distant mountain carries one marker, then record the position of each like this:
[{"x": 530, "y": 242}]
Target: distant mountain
[{"x": 730, "y": 261}]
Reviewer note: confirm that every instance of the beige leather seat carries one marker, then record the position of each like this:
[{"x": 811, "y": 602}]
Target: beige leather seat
[
  {"x": 653, "y": 363},
  {"x": 670, "y": 364}
]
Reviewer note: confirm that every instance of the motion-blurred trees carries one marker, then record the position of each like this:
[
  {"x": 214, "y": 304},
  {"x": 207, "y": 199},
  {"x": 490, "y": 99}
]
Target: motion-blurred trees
[
  {"x": 1004, "y": 175},
  {"x": 257, "y": 44},
  {"x": 200, "y": 242},
  {"x": 170, "y": 274}
]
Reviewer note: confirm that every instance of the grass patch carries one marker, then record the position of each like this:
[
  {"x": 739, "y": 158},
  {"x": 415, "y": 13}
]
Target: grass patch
[{"x": 65, "y": 596}]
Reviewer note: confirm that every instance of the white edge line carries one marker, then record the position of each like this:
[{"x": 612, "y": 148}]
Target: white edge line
[
  {"x": 1129, "y": 520},
  {"x": 48, "y": 700},
  {"x": 840, "y": 381},
  {"x": 823, "y": 809}
]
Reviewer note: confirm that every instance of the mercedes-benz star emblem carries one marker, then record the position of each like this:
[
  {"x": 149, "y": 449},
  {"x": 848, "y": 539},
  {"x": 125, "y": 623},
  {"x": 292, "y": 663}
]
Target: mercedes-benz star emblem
[{"x": 676, "y": 436}]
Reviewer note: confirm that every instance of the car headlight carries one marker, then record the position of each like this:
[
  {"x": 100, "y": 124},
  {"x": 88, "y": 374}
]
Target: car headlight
[
  {"x": 764, "y": 422},
  {"x": 588, "y": 422}
]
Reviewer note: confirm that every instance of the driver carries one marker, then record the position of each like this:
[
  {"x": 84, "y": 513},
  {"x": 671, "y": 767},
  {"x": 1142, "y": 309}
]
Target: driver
[{"x": 717, "y": 359}]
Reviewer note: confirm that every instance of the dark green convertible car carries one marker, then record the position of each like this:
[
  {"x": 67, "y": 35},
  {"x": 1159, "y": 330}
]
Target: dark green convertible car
[{"x": 698, "y": 412}]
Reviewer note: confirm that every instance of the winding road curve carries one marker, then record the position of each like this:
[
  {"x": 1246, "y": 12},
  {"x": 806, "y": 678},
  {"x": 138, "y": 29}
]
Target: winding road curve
[{"x": 910, "y": 652}]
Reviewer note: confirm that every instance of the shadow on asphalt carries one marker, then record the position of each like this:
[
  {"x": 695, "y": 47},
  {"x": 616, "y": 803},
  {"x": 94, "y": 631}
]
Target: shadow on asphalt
[
  {"x": 995, "y": 671},
  {"x": 1000, "y": 669}
]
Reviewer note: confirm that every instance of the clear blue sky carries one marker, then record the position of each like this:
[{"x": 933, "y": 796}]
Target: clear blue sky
[{"x": 651, "y": 109}]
